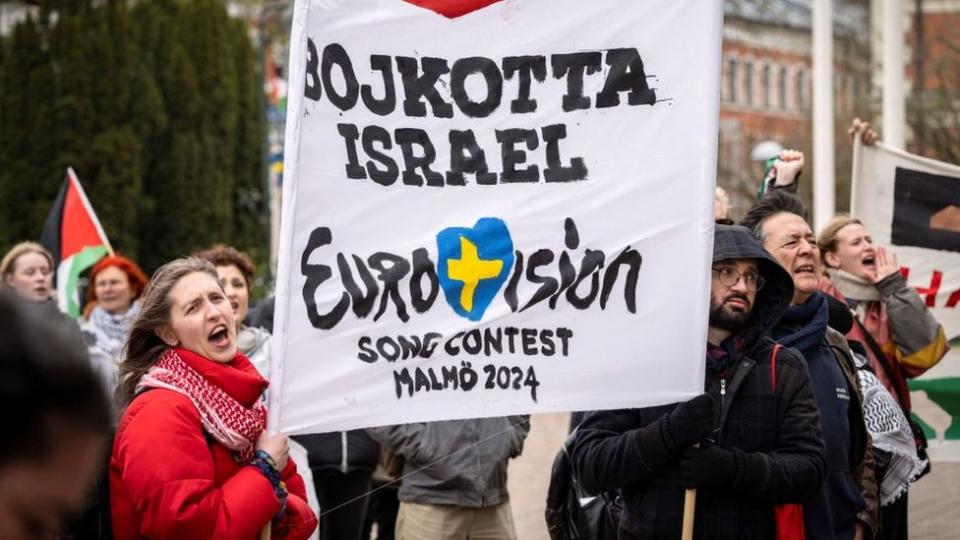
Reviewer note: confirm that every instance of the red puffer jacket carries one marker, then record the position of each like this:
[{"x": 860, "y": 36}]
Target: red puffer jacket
[{"x": 168, "y": 480}]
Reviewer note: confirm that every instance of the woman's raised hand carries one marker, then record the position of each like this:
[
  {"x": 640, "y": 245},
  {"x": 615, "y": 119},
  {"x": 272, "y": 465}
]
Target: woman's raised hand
[{"x": 886, "y": 264}]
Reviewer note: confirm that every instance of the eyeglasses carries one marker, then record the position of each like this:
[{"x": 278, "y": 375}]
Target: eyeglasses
[{"x": 729, "y": 277}]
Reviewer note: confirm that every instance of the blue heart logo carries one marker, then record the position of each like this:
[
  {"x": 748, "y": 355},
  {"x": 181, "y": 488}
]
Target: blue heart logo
[{"x": 473, "y": 264}]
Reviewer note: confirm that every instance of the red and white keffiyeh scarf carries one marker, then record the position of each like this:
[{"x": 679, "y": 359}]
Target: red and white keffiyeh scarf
[{"x": 223, "y": 417}]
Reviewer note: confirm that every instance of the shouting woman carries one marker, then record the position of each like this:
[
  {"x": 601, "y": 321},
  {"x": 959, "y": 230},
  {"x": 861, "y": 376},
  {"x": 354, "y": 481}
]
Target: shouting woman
[{"x": 191, "y": 458}]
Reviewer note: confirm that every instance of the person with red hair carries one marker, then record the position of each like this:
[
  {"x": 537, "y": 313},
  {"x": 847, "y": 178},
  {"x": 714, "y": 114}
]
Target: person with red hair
[{"x": 116, "y": 284}]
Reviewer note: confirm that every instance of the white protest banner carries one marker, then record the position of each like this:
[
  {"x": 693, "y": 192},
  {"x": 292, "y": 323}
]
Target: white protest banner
[
  {"x": 913, "y": 204},
  {"x": 502, "y": 208}
]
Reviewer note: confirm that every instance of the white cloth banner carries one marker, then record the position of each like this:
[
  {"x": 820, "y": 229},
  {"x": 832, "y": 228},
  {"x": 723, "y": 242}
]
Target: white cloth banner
[
  {"x": 912, "y": 204},
  {"x": 504, "y": 210}
]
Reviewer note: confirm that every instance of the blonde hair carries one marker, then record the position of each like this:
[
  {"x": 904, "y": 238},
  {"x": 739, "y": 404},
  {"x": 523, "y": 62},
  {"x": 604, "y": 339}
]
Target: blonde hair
[
  {"x": 144, "y": 346},
  {"x": 9, "y": 262},
  {"x": 829, "y": 235}
]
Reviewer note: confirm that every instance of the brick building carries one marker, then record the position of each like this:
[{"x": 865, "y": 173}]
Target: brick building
[
  {"x": 766, "y": 91},
  {"x": 933, "y": 104}
]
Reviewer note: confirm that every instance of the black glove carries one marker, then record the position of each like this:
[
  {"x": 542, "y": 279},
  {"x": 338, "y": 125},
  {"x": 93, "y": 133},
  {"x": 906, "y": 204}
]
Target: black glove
[
  {"x": 711, "y": 467},
  {"x": 663, "y": 441},
  {"x": 691, "y": 422}
]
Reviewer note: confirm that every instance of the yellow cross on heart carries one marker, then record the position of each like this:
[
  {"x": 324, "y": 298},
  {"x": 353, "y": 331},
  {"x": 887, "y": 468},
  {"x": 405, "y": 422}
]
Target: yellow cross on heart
[{"x": 471, "y": 269}]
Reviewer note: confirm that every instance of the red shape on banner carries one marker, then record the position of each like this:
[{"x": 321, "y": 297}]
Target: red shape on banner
[
  {"x": 954, "y": 299},
  {"x": 928, "y": 293},
  {"x": 452, "y": 9}
]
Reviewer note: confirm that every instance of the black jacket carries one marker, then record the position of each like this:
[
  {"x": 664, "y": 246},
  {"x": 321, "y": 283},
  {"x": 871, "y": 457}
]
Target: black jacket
[
  {"x": 775, "y": 431},
  {"x": 343, "y": 451}
]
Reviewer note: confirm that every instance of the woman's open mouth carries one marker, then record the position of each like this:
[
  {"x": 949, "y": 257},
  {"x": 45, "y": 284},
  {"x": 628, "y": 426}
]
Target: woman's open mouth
[{"x": 219, "y": 337}]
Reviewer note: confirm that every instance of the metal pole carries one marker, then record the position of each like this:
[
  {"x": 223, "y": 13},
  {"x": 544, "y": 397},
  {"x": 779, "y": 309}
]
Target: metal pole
[
  {"x": 824, "y": 196},
  {"x": 894, "y": 113}
]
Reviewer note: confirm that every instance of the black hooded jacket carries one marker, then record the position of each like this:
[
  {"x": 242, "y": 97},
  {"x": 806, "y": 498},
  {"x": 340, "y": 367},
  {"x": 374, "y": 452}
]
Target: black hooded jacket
[{"x": 774, "y": 431}]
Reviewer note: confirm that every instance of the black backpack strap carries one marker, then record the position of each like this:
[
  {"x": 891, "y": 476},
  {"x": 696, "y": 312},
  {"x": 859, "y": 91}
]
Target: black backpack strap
[
  {"x": 882, "y": 360},
  {"x": 919, "y": 437}
]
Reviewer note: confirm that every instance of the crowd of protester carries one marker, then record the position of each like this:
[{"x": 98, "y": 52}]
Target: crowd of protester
[{"x": 147, "y": 419}]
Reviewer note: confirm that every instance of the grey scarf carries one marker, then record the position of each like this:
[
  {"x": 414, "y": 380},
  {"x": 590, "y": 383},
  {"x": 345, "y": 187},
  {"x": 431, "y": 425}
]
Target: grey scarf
[
  {"x": 853, "y": 287},
  {"x": 110, "y": 330}
]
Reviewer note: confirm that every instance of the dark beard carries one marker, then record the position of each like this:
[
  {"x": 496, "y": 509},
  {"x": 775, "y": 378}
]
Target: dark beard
[{"x": 724, "y": 319}]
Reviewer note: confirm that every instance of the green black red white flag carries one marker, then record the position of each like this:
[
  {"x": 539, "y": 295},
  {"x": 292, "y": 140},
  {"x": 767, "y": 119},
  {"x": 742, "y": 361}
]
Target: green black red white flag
[{"x": 74, "y": 236}]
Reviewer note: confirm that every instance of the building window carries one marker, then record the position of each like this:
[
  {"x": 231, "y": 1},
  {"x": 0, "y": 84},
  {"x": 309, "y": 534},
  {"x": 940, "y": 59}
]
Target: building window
[
  {"x": 801, "y": 90},
  {"x": 748, "y": 82},
  {"x": 732, "y": 80},
  {"x": 766, "y": 86},
  {"x": 783, "y": 88}
]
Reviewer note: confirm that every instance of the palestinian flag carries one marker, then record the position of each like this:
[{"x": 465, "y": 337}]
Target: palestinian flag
[{"x": 75, "y": 238}]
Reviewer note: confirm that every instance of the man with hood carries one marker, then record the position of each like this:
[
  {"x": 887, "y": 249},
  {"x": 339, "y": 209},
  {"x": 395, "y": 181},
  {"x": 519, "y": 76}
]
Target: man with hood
[
  {"x": 847, "y": 504},
  {"x": 757, "y": 425}
]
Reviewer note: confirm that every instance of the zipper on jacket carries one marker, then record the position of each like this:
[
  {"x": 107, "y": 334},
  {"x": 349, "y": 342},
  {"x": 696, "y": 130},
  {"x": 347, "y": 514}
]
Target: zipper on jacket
[
  {"x": 737, "y": 373},
  {"x": 719, "y": 415},
  {"x": 723, "y": 397},
  {"x": 343, "y": 452}
]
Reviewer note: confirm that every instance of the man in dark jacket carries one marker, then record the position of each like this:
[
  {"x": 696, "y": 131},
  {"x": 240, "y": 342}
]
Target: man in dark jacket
[
  {"x": 847, "y": 505},
  {"x": 757, "y": 426},
  {"x": 455, "y": 476}
]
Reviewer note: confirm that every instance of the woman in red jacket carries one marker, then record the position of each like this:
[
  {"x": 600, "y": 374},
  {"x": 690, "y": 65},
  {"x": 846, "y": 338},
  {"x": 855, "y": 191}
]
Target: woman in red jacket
[{"x": 191, "y": 458}]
